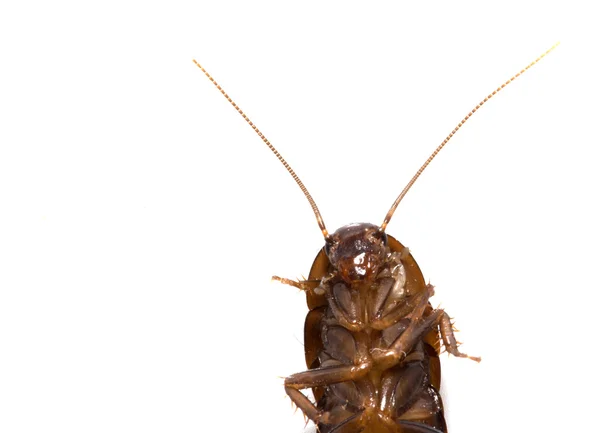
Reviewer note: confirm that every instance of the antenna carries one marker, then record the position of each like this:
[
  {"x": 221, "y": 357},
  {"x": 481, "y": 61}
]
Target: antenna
[
  {"x": 277, "y": 154},
  {"x": 388, "y": 217}
]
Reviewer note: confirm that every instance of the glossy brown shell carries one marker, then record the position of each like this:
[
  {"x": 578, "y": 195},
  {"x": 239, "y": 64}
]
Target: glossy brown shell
[{"x": 317, "y": 304}]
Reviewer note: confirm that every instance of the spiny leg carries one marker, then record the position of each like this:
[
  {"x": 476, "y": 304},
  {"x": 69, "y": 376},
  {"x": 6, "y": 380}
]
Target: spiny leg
[
  {"x": 302, "y": 284},
  {"x": 305, "y": 405},
  {"x": 450, "y": 343},
  {"x": 320, "y": 377},
  {"x": 397, "y": 313},
  {"x": 327, "y": 375},
  {"x": 417, "y": 329}
]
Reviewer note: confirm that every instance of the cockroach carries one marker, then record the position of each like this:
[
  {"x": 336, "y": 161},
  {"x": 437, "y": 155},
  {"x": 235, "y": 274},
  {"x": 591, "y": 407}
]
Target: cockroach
[{"x": 372, "y": 338}]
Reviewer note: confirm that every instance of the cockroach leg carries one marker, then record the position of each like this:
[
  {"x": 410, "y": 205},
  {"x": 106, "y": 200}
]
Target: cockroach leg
[
  {"x": 350, "y": 323},
  {"x": 404, "y": 253},
  {"x": 320, "y": 377},
  {"x": 303, "y": 285},
  {"x": 419, "y": 326},
  {"x": 450, "y": 343},
  {"x": 305, "y": 405},
  {"x": 421, "y": 304},
  {"x": 327, "y": 375},
  {"x": 397, "y": 313},
  {"x": 416, "y": 331}
]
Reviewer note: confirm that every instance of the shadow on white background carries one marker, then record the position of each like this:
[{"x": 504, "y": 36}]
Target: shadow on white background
[{"x": 141, "y": 219}]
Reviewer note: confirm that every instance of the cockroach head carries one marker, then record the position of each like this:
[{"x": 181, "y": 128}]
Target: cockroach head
[{"x": 357, "y": 251}]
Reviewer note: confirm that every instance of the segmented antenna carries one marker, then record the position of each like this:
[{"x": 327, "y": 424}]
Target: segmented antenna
[
  {"x": 388, "y": 217},
  {"x": 277, "y": 154}
]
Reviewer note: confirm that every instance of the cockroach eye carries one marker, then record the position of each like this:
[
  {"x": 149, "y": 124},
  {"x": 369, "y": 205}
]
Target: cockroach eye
[
  {"x": 328, "y": 246},
  {"x": 382, "y": 236}
]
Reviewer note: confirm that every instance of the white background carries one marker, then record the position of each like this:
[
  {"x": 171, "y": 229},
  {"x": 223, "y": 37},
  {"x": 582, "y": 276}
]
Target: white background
[{"x": 141, "y": 219}]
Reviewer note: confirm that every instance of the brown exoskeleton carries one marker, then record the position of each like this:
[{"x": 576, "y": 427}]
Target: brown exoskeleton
[{"x": 372, "y": 339}]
